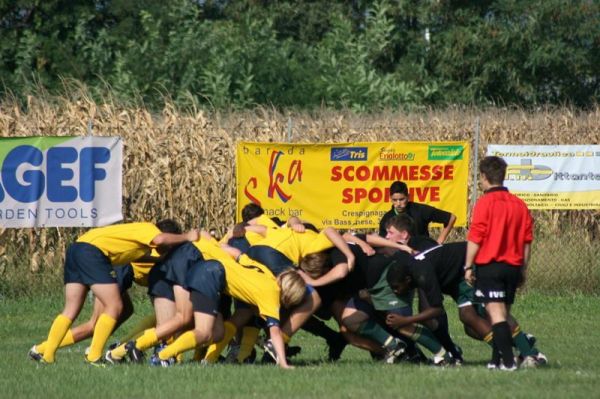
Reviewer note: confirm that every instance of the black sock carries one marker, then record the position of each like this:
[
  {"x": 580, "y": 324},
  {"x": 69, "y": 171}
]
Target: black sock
[
  {"x": 443, "y": 336},
  {"x": 411, "y": 347},
  {"x": 320, "y": 329},
  {"x": 503, "y": 341}
]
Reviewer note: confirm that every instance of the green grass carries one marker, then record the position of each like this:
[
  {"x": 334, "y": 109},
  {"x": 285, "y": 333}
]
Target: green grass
[{"x": 566, "y": 327}]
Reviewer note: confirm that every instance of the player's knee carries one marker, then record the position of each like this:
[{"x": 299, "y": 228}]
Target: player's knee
[
  {"x": 203, "y": 336},
  {"x": 467, "y": 314},
  {"x": 350, "y": 324},
  {"x": 218, "y": 335},
  {"x": 117, "y": 309}
]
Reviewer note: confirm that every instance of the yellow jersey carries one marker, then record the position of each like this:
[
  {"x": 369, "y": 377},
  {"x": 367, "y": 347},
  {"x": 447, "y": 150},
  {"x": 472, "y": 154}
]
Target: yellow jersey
[
  {"x": 253, "y": 283},
  {"x": 263, "y": 220},
  {"x": 122, "y": 243},
  {"x": 295, "y": 245},
  {"x": 141, "y": 270}
]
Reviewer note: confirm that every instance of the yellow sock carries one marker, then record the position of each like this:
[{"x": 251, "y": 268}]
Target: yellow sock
[
  {"x": 104, "y": 327},
  {"x": 119, "y": 352},
  {"x": 57, "y": 332},
  {"x": 215, "y": 349},
  {"x": 41, "y": 348},
  {"x": 488, "y": 338},
  {"x": 179, "y": 357},
  {"x": 185, "y": 342},
  {"x": 67, "y": 340},
  {"x": 147, "y": 340},
  {"x": 249, "y": 338},
  {"x": 137, "y": 330},
  {"x": 516, "y": 331}
]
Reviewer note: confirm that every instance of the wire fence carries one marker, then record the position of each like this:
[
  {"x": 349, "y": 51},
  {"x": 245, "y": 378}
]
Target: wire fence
[{"x": 182, "y": 165}]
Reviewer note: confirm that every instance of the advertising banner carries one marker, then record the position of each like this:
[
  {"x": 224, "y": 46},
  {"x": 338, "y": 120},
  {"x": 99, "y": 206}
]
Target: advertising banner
[
  {"x": 553, "y": 176},
  {"x": 60, "y": 181},
  {"x": 347, "y": 185}
]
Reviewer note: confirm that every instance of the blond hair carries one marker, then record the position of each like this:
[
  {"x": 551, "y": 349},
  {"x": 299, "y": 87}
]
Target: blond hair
[
  {"x": 314, "y": 264},
  {"x": 292, "y": 287}
]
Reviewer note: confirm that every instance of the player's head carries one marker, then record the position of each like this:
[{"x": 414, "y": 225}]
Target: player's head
[
  {"x": 167, "y": 226},
  {"x": 399, "y": 278},
  {"x": 314, "y": 264},
  {"x": 293, "y": 288},
  {"x": 399, "y": 195},
  {"x": 251, "y": 211},
  {"x": 493, "y": 169},
  {"x": 400, "y": 228}
]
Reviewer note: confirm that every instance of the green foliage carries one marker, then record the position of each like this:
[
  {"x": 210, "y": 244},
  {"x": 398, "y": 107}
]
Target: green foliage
[
  {"x": 363, "y": 55},
  {"x": 346, "y": 66},
  {"x": 533, "y": 52}
]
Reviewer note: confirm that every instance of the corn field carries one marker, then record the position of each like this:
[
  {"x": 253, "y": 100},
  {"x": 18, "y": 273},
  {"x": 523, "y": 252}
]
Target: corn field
[{"x": 181, "y": 164}]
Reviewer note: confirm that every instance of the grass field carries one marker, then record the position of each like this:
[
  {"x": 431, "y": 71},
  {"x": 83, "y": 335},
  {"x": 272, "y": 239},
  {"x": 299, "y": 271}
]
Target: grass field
[{"x": 567, "y": 328}]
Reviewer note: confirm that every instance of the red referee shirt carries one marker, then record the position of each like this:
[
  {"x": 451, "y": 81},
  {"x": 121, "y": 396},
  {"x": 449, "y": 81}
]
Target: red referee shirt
[{"x": 501, "y": 224}]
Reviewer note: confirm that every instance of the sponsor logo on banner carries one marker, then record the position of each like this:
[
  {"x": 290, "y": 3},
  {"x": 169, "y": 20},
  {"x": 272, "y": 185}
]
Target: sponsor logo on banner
[
  {"x": 387, "y": 154},
  {"x": 60, "y": 181},
  {"x": 528, "y": 171},
  {"x": 552, "y": 176},
  {"x": 445, "y": 152},
  {"x": 349, "y": 154}
]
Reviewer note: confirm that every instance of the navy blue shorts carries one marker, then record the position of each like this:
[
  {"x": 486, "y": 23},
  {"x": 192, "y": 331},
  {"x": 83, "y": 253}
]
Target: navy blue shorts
[
  {"x": 178, "y": 262},
  {"x": 271, "y": 258},
  {"x": 158, "y": 285},
  {"x": 124, "y": 277},
  {"x": 358, "y": 304},
  {"x": 206, "y": 281},
  {"x": 86, "y": 264}
]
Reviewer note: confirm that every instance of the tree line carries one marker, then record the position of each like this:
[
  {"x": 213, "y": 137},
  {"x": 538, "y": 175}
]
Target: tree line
[{"x": 360, "y": 54}]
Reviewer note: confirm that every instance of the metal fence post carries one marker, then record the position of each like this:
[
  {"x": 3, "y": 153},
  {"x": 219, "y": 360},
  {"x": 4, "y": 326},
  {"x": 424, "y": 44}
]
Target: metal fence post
[
  {"x": 289, "y": 129},
  {"x": 475, "y": 168}
]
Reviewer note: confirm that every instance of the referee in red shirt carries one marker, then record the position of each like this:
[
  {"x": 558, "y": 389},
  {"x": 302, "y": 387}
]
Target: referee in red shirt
[{"x": 498, "y": 249}]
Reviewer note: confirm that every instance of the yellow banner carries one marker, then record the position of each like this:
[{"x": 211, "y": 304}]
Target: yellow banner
[{"x": 347, "y": 185}]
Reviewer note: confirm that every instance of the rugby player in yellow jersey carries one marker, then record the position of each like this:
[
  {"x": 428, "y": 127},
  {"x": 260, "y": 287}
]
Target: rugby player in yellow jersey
[
  {"x": 241, "y": 238},
  {"x": 89, "y": 265},
  {"x": 295, "y": 247},
  {"x": 173, "y": 310},
  {"x": 216, "y": 274},
  {"x": 125, "y": 277}
]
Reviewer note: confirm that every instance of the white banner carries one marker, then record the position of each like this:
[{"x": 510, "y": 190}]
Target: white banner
[
  {"x": 60, "y": 181},
  {"x": 553, "y": 176}
]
